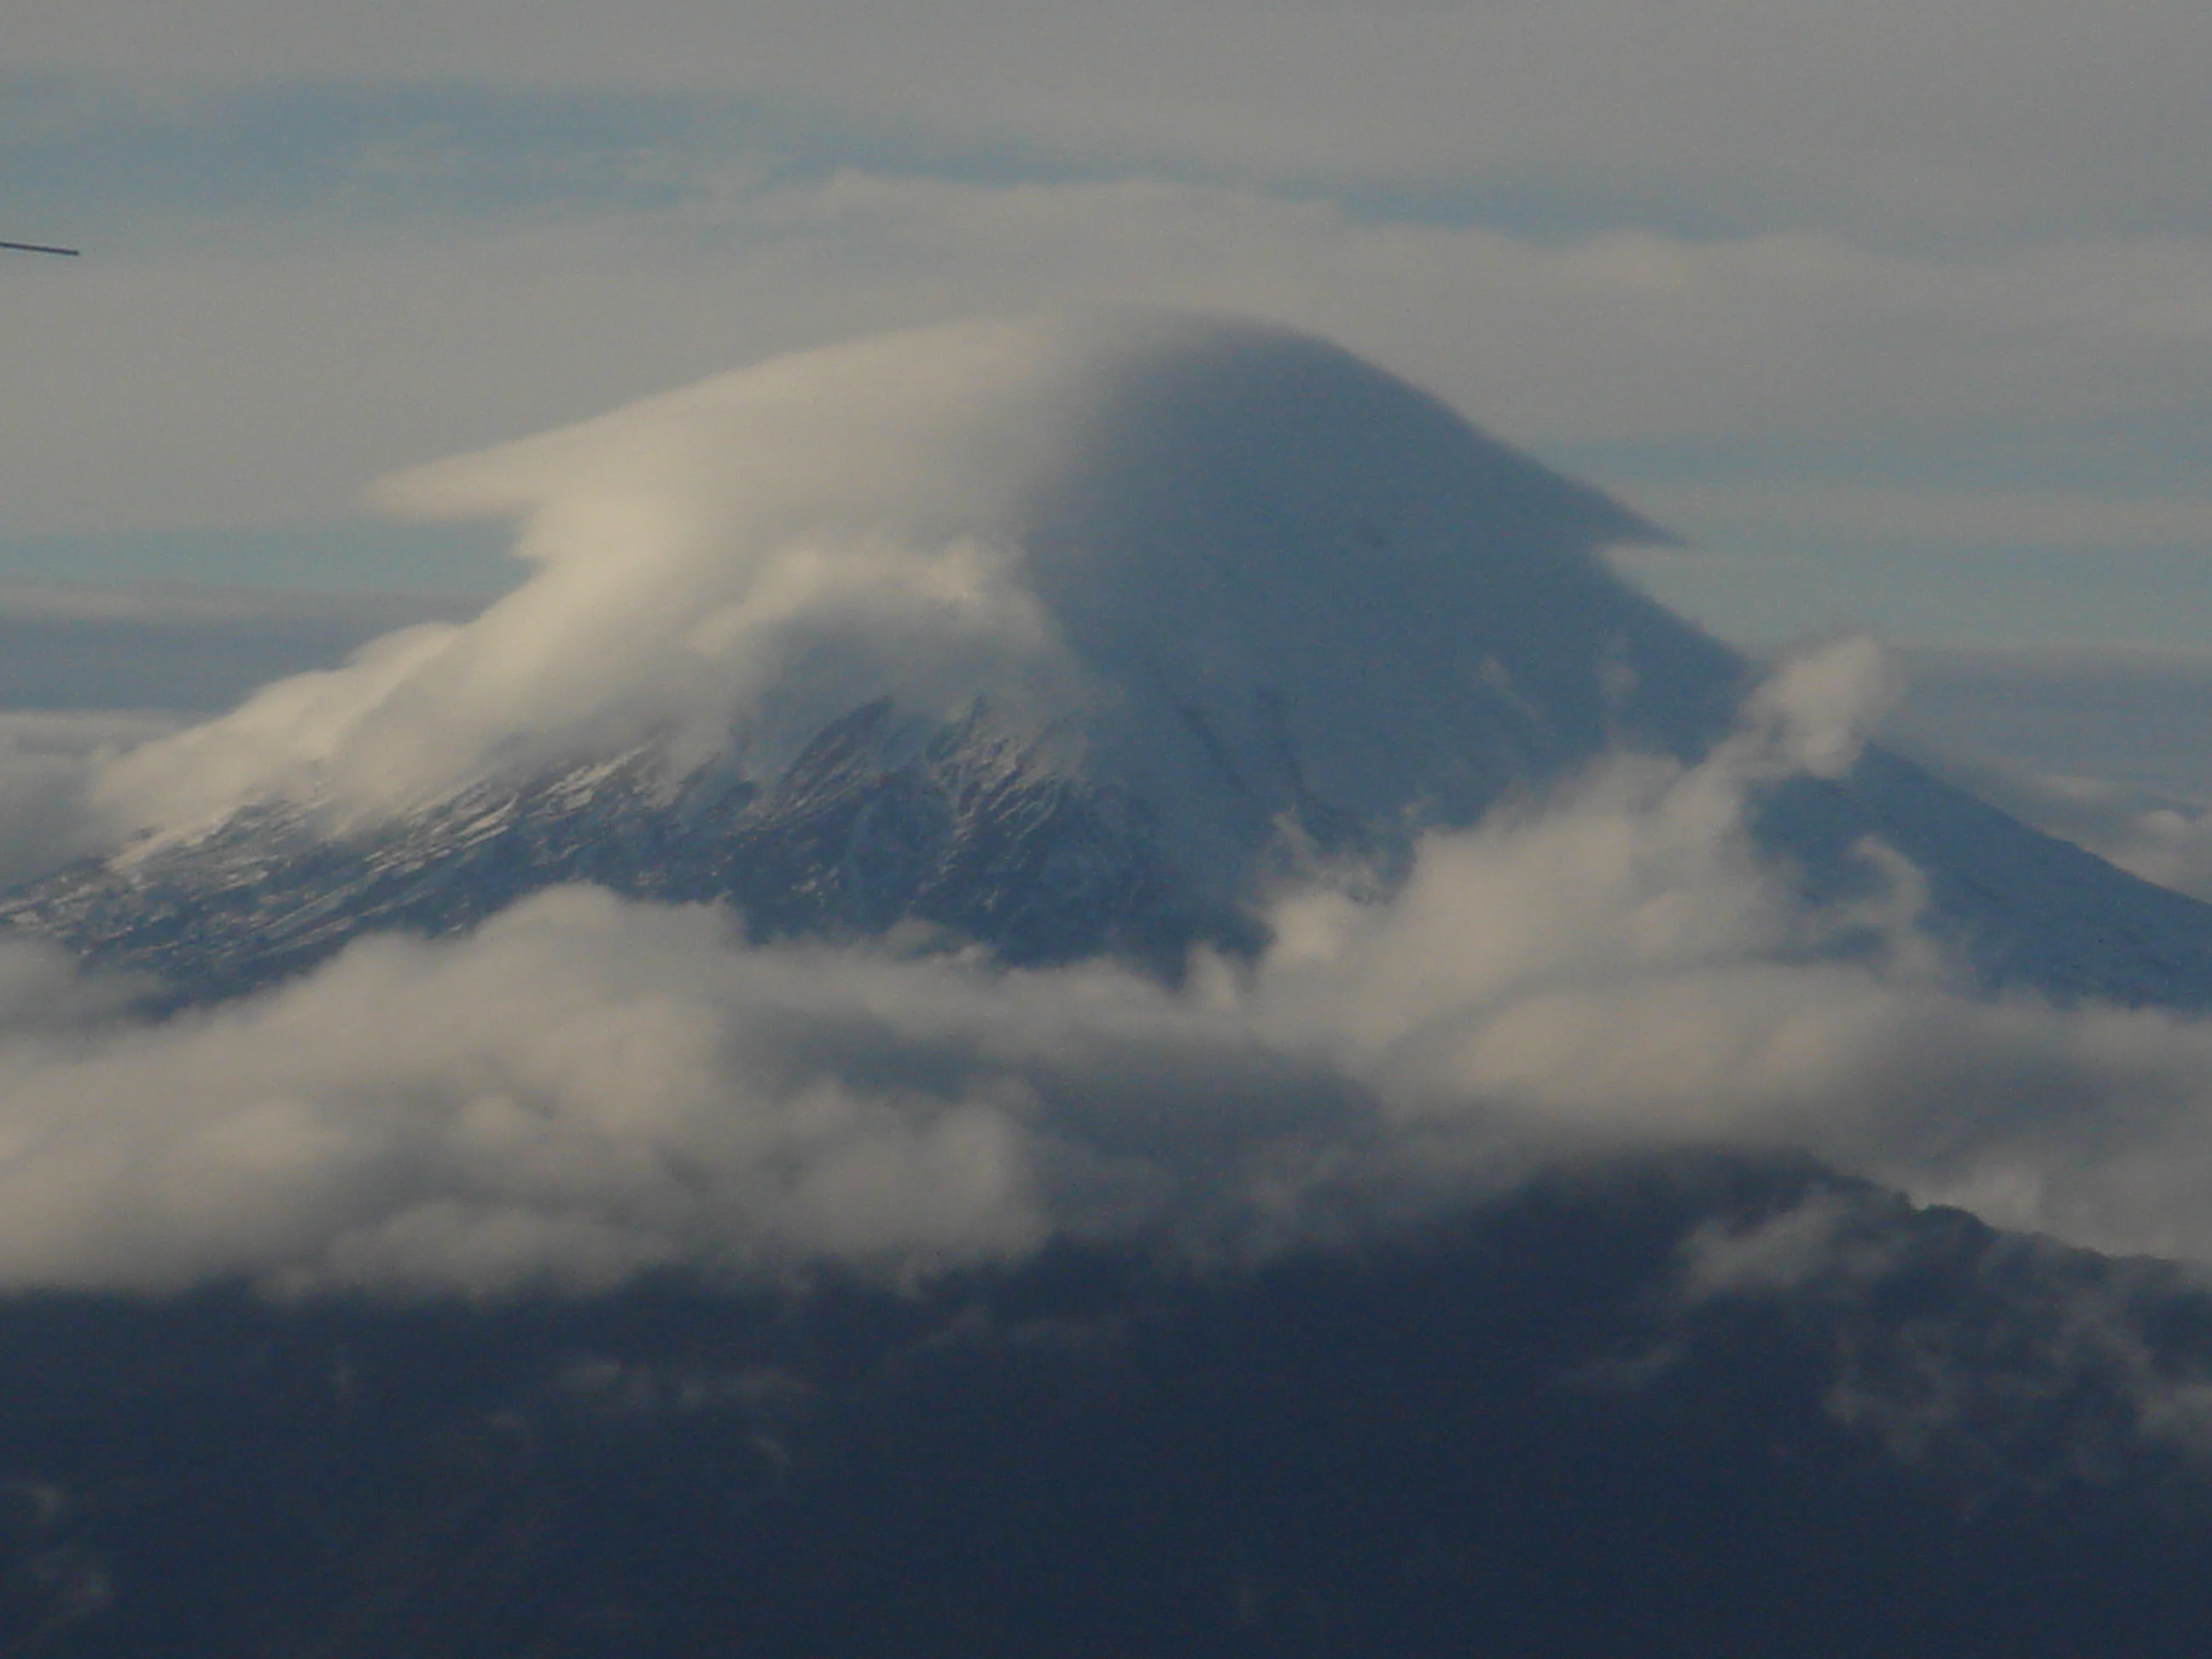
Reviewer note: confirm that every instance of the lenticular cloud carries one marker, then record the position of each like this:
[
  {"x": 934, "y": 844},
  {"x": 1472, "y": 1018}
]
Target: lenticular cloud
[{"x": 1099, "y": 526}]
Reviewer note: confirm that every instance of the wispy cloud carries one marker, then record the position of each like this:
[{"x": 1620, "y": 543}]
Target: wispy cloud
[{"x": 1969, "y": 114}]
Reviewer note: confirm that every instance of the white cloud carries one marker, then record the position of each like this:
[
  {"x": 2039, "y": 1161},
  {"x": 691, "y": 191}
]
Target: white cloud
[
  {"x": 1077, "y": 516},
  {"x": 876, "y": 492},
  {"x": 587, "y": 1088},
  {"x": 1102, "y": 525},
  {"x": 849, "y": 517}
]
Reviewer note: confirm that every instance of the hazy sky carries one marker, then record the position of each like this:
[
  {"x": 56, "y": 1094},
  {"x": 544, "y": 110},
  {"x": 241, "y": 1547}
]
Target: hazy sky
[{"x": 1900, "y": 313}]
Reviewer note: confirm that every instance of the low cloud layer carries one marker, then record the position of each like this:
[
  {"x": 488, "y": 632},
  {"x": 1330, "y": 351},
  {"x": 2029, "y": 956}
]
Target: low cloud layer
[
  {"x": 1117, "y": 532},
  {"x": 585, "y": 1088}
]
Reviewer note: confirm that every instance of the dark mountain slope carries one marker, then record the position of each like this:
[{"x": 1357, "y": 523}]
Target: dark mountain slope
[
  {"x": 964, "y": 836},
  {"x": 1513, "y": 1435}
]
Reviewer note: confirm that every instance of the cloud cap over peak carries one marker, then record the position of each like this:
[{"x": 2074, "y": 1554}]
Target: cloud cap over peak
[{"x": 1104, "y": 520}]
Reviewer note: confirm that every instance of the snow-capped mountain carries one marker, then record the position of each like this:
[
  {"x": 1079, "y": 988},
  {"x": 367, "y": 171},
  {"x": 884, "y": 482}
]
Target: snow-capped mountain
[
  {"x": 639, "y": 1292},
  {"x": 969, "y": 839},
  {"x": 1058, "y": 637},
  {"x": 963, "y": 835}
]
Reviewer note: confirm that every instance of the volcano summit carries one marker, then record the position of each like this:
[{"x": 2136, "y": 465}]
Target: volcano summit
[{"x": 1059, "y": 635}]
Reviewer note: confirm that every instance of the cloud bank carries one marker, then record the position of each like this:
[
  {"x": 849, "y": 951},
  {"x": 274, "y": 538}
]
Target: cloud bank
[
  {"x": 586, "y": 1089},
  {"x": 1206, "y": 561}
]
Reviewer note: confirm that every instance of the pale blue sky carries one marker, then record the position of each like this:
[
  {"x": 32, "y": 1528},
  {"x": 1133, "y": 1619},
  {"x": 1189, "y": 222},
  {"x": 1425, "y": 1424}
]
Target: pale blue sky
[{"x": 1903, "y": 317}]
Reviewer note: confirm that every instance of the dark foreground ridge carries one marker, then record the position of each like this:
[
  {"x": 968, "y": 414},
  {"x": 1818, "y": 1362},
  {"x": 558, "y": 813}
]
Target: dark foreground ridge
[{"x": 1542, "y": 1430}]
